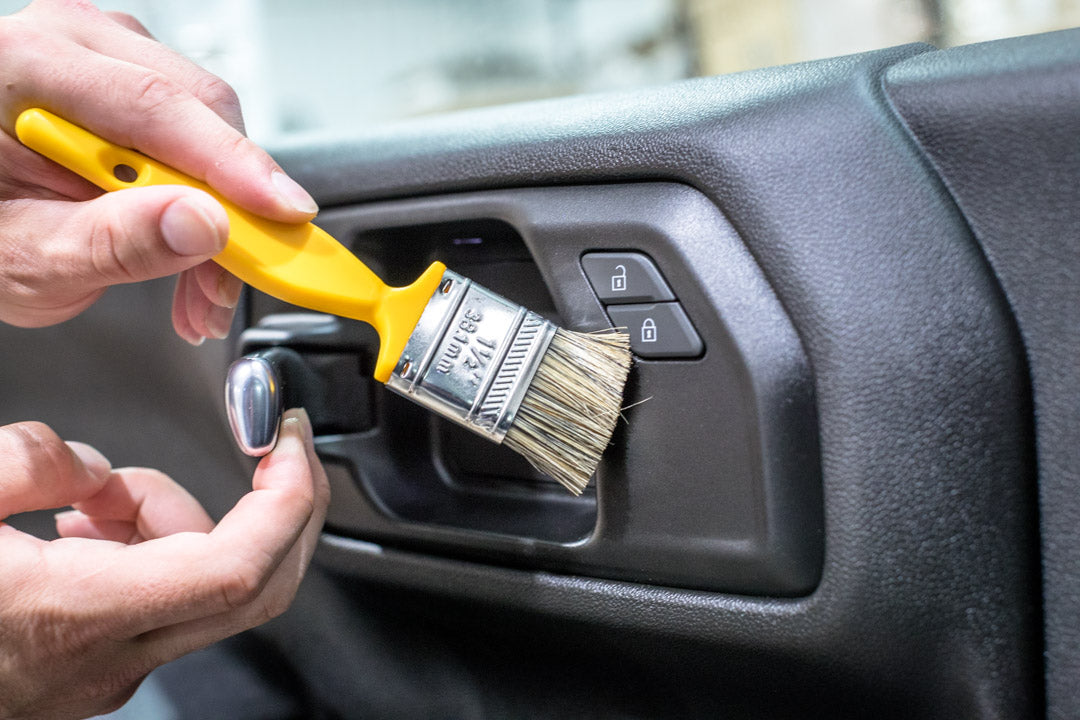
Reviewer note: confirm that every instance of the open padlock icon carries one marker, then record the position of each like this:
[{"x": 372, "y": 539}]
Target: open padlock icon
[{"x": 618, "y": 279}]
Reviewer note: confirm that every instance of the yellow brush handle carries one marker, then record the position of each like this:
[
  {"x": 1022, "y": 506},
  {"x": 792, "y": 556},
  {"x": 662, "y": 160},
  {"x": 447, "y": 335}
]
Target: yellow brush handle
[{"x": 297, "y": 263}]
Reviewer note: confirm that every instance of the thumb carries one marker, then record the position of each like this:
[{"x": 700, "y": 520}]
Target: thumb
[
  {"x": 57, "y": 257},
  {"x": 40, "y": 471},
  {"x": 145, "y": 233}
]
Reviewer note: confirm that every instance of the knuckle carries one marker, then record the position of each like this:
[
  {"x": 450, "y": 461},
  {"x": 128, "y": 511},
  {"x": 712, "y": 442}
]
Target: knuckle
[
  {"x": 17, "y": 36},
  {"x": 128, "y": 21},
  {"x": 237, "y": 145},
  {"x": 105, "y": 238},
  {"x": 114, "y": 256},
  {"x": 13, "y": 32},
  {"x": 71, "y": 5},
  {"x": 123, "y": 18},
  {"x": 40, "y": 449},
  {"x": 240, "y": 585},
  {"x": 156, "y": 92},
  {"x": 217, "y": 94},
  {"x": 231, "y": 145},
  {"x": 156, "y": 478}
]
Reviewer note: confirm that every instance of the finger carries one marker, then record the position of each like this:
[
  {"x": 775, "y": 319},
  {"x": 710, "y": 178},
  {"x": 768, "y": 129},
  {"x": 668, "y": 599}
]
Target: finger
[
  {"x": 188, "y": 576},
  {"x": 282, "y": 586},
  {"x": 146, "y": 109},
  {"x": 265, "y": 524},
  {"x": 148, "y": 501},
  {"x": 26, "y": 174},
  {"x": 121, "y": 36},
  {"x": 204, "y": 314},
  {"x": 73, "y": 523},
  {"x": 218, "y": 284},
  {"x": 273, "y": 599},
  {"x": 221, "y": 290},
  {"x": 129, "y": 22},
  {"x": 181, "y": 323},
  {"x": 218, "y": 321},
  {"x": 146, "y": 51},
  {"x": 56, "y": 257},
  {"x": 197, "y": 306},
  {"x": 38, "y": 470},
  {"x": 145, "y": 233}
]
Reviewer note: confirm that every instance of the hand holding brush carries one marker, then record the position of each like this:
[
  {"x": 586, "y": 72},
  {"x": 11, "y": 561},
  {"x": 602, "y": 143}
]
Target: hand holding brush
[{"x": 464, "y": 352}]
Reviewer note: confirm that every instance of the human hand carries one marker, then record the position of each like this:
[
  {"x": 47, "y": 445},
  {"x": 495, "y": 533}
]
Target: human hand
[
  {"x": 62, "y": 242},
  {"x": 140, "y": 575}
]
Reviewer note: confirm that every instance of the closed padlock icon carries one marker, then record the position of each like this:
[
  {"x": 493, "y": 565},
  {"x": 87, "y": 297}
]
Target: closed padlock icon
[
  {"x": 618, "y": 279},
  {"x": 648, "y": 331}
]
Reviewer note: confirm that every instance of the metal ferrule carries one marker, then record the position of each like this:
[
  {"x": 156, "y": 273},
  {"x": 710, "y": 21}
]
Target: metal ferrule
[{"x": 472, "y": 356}]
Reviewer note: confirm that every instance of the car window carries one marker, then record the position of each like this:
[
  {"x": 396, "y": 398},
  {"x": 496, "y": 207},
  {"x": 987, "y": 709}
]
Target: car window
[{"x": 329, "y": 66}]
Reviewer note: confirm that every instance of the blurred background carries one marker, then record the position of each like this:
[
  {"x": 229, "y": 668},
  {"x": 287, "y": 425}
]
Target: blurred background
[{"x": 326, "y": 66}]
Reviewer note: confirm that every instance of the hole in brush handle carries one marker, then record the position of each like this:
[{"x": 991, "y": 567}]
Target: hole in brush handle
[{"x": 125, "y": 173}]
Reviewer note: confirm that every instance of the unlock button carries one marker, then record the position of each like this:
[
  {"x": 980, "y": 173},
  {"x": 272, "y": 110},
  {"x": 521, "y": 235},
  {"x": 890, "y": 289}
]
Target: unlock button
[
  {"x": 657, "y": 330},
  {"x": 624, "y": 277}
]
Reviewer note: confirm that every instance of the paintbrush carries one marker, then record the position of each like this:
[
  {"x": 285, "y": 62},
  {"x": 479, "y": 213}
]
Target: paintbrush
[{"x": 472, "y": 356}]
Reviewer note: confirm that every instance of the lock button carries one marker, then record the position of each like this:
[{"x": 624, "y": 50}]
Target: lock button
[
  {"x": 658, "y": 330},
  {"x": 619, "y": 278}
]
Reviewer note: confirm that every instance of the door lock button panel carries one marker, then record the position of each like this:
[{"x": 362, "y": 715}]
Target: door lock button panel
[
  {"x": 625, "y": 278},
  {"x": 657, "y": 330},
  {"x": 636, "y": 297}
]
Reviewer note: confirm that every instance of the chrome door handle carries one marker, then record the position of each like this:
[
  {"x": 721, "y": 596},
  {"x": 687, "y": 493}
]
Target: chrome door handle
[
  {"x": 260, "y": 386},
  {"x": 254, "y": 403}
]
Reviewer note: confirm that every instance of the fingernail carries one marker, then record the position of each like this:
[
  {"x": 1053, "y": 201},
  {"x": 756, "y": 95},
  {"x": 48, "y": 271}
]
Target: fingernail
[
  {"x": 294, "y": 195},
  {"x": 65, "y": 514},
  {"x": 219, "y": 321},
  {"x": 300, "y": 417},
  {"x": 95, "y": 463},
  {"x": 193, "y": 226}
]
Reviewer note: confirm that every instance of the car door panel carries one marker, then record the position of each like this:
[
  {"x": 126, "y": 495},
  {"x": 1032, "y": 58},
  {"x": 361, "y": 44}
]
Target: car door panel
[
  {"x": 920, "y": 380},
  {"x": 923, "y": 413},
  {"x": 998, "y": 122}
]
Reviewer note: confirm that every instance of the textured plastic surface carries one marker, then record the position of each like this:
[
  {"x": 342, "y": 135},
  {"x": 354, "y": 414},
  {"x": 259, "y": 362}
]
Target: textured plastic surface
[
  {"x": 1001, "y": 123},
  {"x": 712, "y": 482},
  {"x": 928, "y": 604},
  {"x": 297, "y": 263}
]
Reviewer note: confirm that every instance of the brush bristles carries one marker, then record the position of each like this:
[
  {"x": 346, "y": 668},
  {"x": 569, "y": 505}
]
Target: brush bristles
[{"x": 570, "y": 409}]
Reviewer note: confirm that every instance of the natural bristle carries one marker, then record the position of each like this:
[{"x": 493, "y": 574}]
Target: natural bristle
[{"x": 570, "y": 409}]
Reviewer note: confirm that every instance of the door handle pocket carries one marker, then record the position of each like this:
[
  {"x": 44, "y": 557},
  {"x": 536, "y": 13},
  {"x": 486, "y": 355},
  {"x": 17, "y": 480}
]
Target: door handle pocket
[{"x": 713, "y": 481}]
